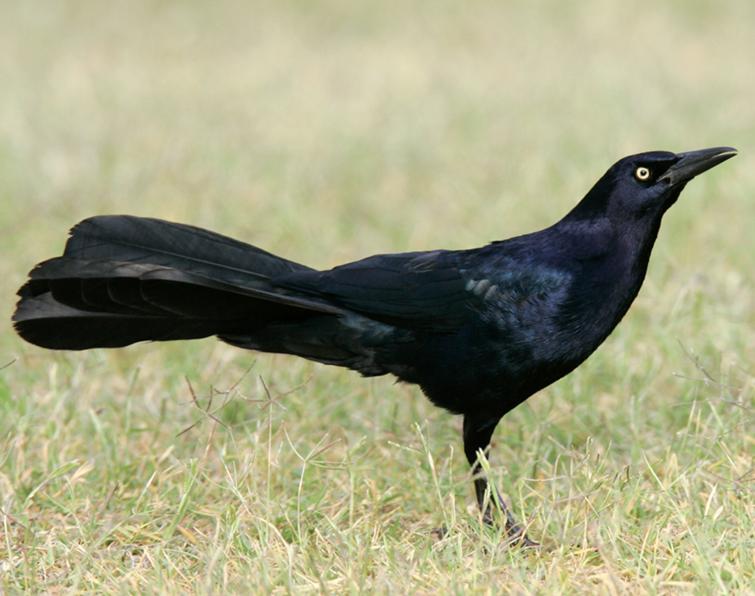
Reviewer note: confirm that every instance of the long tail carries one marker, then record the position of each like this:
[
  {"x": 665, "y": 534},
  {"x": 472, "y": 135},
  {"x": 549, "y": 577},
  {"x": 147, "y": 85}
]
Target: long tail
[{"x": 124, "y": 279}]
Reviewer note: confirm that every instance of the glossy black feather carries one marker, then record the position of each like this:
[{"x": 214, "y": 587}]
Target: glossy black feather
[{"x": 479, "y": 330}]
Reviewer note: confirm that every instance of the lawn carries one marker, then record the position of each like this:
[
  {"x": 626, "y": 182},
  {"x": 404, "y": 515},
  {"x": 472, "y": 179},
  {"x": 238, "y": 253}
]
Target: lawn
[{"x": 326, "y": 131}]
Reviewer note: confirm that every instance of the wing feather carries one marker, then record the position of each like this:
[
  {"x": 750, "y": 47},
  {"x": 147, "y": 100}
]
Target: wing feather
[{"x": 413, "y": 290}]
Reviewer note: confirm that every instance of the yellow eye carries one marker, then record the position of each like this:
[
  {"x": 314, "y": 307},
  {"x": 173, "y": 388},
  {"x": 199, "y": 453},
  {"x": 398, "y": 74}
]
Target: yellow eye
[{"x": 642, "y": 173}]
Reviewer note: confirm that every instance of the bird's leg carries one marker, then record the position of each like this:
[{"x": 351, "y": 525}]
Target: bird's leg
[{"x": 477, "y": 434}]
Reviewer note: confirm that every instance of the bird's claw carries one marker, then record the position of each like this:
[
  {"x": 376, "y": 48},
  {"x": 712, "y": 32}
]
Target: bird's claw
[{"x": 517, "y": 535}]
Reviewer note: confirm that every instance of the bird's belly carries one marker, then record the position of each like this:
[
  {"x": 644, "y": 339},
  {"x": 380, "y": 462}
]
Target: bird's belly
[{"x": 494, "y": 370}]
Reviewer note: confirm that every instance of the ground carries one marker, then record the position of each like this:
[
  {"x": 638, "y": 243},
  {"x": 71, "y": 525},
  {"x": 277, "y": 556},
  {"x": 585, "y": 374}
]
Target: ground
[{"x": 328, "y": 131}]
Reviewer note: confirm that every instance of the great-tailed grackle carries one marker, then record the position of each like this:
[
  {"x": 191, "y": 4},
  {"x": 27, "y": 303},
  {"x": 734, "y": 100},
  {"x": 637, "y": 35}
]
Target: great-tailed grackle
[{"x": 478, "y": 330}]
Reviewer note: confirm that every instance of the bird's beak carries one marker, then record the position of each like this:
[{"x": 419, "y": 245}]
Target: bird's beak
[{"x": 692, "y": 163}]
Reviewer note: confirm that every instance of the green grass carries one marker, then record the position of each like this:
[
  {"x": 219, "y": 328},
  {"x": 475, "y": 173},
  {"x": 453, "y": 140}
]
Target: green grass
[{"x": 326, "y": 131}]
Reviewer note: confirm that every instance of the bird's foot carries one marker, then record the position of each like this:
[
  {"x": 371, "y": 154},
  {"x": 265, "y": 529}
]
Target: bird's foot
[{"x": 517, "y": 535}]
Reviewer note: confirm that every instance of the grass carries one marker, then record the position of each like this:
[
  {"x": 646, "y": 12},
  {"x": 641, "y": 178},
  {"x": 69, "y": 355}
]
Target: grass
[{"x": 327, "y": 131}]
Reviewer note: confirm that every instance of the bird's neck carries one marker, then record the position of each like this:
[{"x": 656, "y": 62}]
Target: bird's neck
[
  {"x": 610, "y": 263},
  {"x": 614, "y": 247}
]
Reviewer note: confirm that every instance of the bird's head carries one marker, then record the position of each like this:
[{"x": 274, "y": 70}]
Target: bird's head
[{"x": 645, "y": 185}]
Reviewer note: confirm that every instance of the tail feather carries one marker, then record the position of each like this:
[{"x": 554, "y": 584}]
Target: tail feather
[
  {"x": 125, "y": 279},
  {"x": 131, "y": 239},
  {"x": 45, "y": 322}
]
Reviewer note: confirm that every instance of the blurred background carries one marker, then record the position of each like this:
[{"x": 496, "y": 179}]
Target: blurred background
[
  {"x": 326, "y": 131},
  {"x": 329, "y": 130}
]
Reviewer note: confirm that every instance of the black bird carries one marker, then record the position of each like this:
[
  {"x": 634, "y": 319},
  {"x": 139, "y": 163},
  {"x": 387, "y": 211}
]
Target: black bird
[{"x": 478, "y": 330}]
